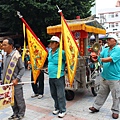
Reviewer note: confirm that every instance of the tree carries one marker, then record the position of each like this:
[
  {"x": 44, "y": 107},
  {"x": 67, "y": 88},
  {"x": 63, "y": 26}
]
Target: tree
[{"x": 41, "y": 13}]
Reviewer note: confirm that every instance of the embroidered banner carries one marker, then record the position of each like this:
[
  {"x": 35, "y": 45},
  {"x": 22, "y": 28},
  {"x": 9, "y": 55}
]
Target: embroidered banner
[
  {"x": 38, "y": 52},
  {"x": 6, "y": 96},
  {"x": 71, "y": 50}
]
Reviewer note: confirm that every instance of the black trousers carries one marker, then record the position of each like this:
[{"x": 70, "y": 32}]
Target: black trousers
[{"x": 38, "y": 87}]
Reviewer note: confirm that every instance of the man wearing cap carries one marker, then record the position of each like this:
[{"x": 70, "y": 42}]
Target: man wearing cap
[
  {"x": 57, "y": 85},
  {"x": 110, "y": 60}
]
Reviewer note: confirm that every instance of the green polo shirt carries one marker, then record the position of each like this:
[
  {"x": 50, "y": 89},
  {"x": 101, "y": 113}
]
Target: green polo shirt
[
  {"x": 53, "y": 63},
  {"x": 111, "y": 70}
]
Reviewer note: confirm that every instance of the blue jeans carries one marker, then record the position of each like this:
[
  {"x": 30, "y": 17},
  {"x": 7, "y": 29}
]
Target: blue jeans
[{"x": 57, "y": 89}]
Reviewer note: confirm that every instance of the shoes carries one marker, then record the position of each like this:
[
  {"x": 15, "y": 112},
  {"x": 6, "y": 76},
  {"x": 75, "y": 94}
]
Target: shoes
[
  {"x": 40, "y": 96},
  {"x": 115, "y": 116},
  {"x": 12, "y": 117},
  {"x": 62, "y": 114},
  {"x": 35, "y": 95},
  {"x": 93, "y": 109},
  {"x": 55, "y": 112},
  {"x": 15, "y": 117},
  {"x": 19, "y": 118}
]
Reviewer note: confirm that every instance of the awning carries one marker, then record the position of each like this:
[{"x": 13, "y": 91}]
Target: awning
[{"x": 92, "y": 26}]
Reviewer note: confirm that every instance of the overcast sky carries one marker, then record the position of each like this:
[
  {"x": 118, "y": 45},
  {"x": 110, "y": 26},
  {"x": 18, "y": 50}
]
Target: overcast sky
[
  {"x": 105, "y": 3},
  {"x": 101, "y": 4}
]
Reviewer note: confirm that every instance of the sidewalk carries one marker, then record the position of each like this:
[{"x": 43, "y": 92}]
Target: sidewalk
[{"x": 77, "y": 109}]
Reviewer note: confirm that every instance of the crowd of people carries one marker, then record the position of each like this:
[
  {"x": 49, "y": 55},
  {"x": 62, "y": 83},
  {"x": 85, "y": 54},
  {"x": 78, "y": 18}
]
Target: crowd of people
[{"x": 108, "y": 57}]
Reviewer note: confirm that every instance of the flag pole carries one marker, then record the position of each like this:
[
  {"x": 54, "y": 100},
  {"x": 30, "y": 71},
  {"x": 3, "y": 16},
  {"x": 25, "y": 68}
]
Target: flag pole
[
  {"x": 18, "y": 13},
  {"x": 19, "y": 83},
  {"x": 60, "y": 11}
]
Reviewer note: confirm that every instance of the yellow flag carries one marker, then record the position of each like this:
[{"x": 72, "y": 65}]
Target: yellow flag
[
  {"x": 24, "y": 48},
  {"x": 38, "y": 53},
  {"x": 71, "y": 50},
  {"x": 60, "y": 59}
]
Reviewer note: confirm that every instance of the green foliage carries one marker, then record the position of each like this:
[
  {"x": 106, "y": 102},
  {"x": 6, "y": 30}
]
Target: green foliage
[{"x": 41, "y": 13}]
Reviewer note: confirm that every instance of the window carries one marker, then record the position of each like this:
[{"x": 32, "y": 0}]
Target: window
[
  {"x": 111, "y": 15},
  {"x": 112, "y": 25},
  {"x": 116, "y": 14},
  {"x": 101, "y": 15},
  {"x": 116, "y": 24}
]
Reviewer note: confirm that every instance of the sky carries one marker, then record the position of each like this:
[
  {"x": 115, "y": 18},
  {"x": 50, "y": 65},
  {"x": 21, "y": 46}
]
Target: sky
[
  {"x": 105, "y": 3},
  {"x": 101, "y": 4}
]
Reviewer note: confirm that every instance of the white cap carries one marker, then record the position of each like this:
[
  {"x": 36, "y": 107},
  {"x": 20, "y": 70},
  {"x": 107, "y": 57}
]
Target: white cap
[
  {"x": 55, "y": 38},
  {"x": 113, "y": 36}
]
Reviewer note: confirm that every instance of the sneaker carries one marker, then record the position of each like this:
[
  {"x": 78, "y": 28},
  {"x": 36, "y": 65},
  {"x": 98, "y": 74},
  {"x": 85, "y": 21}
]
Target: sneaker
[
  {"x": 12, "y": 117},
  {"x": 40, "y": 96},
  {"x": 35, "y": 95},
  {"x": 61, "y": 114},
  {"x": 55, "y": 112}
]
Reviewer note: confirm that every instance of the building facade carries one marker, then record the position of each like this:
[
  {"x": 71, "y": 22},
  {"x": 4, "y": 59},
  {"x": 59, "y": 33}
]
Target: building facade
[{"x": 110, "y": 19}]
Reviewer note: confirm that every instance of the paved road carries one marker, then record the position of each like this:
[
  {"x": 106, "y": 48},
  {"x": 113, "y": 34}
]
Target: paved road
[{"x": 77, "y": 109}]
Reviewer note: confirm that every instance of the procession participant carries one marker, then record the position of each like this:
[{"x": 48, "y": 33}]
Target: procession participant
[
  {"x": 110, "y": 60},
  {"x": 38, "y": 87},
  {"x": 101, "y": 45},
  {"x": 13, "y": 70},
  {"x": 18, "y": 47},
  {"x": 57, "y": 85}
]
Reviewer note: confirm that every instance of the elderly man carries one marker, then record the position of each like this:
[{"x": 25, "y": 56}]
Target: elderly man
[
  {"x": 110, "y": 60},
  {"x": 57, "y": 85},
  {"x": 13, "y": 70}
]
